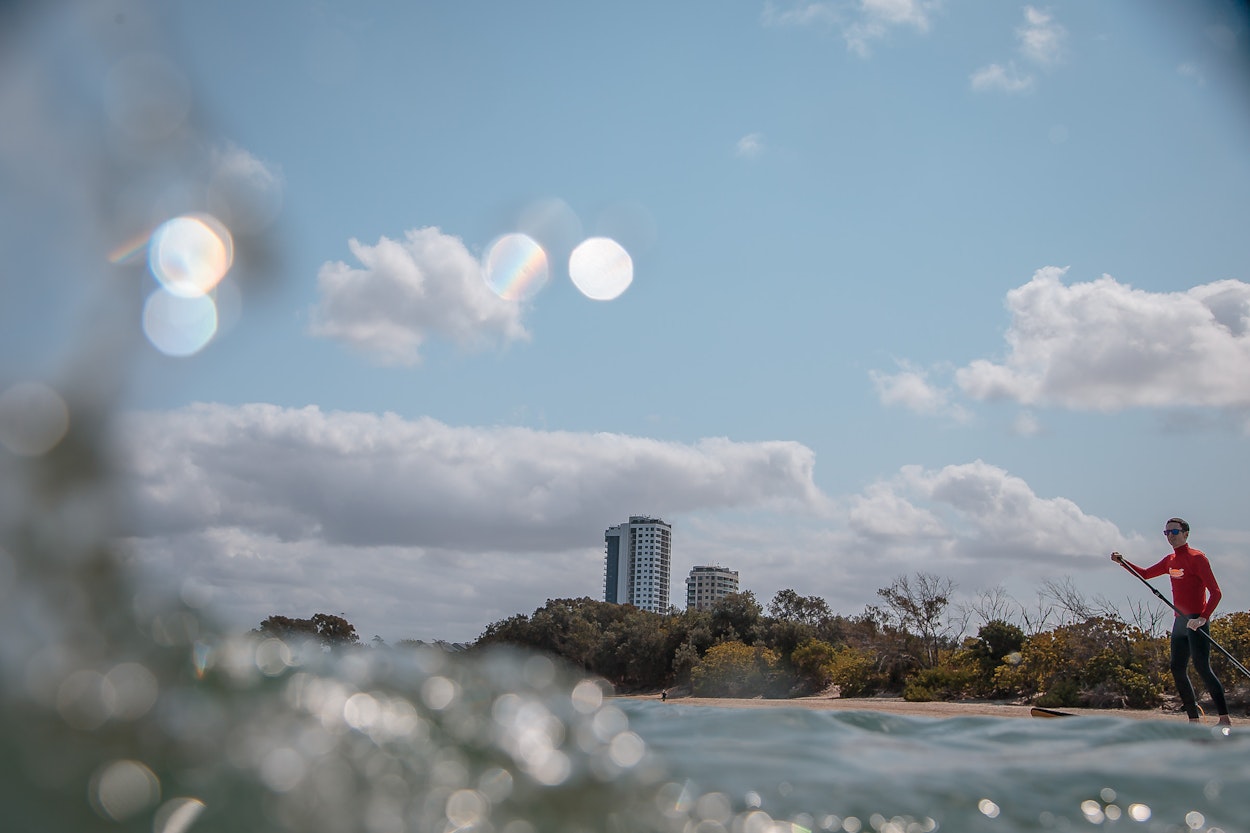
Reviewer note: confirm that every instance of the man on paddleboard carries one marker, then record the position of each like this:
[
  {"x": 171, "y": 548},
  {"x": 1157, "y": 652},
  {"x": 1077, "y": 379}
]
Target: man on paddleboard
[{"x": 1195, "y": 593}]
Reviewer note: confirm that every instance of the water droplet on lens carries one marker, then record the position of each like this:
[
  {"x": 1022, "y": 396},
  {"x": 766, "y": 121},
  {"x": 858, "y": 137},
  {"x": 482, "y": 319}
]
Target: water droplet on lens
[
  {"x": 121, "y": 789},
  {"x": 33, "y": 419},
  {"x": 177, "y": 815}
]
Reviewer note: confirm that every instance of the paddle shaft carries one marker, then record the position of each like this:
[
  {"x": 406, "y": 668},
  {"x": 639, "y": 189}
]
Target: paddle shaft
[{"x": 1165, "y": 600}]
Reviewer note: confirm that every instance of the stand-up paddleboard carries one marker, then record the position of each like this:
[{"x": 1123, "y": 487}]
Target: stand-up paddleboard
[{"x": 1038, "y": 711}]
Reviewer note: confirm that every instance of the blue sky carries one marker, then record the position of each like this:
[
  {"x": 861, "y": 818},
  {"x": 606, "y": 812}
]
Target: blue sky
[{"x": 950, "y": 287}]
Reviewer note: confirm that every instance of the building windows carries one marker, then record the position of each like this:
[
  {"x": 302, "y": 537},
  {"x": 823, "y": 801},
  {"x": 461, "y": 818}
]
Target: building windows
[
  {"x": 636, "y": 563},
  {"x": 709, "y": 584}
]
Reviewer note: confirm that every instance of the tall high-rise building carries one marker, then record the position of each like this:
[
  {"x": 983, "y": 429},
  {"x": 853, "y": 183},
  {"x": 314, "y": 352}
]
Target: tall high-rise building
[
  {"x": 636, "y": 563},
  {"x": 705, "y": 586}
]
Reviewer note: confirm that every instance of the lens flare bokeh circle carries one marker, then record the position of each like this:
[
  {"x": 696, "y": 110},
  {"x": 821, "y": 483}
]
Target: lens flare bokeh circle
[
  {"x": 601, "y": 269},
  {"x": 179, "y": 326},
  {"x": 189, "y": 255},
  {"x": 516, "y": 267}
]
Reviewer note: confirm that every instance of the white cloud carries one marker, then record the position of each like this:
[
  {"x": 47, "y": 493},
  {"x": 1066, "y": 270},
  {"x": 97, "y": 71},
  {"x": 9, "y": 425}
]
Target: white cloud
[
  {"x": 861, "y": 22},
  {"x": 1102, "y": 346},
  {"x": 977, "y": 522},
  {"x": 974, "y": 523},
  {"x": 243, "y": 192},
  {"x": 300, "y": 511},
  {"x": 898, "y": 12},
  {"x": 367, "y": 480},
  {"x": 882, "y": 515},
  {"x": 1041, "y": 44},
  {"x": 750, "y": 145},
  {"x": 911, "y": 389},
  {"x": 801, "y": 13},
  {"x": 1106, "y": 346},
  {"x": 999, "y": 78},
  {"x": 1041, "y": 38},
  {"x": 406, "y": 291},
  {"x": 415, "y": 529}
]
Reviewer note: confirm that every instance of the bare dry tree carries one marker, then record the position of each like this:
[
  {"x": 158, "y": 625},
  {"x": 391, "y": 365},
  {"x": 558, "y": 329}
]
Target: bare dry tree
[
  {"x": 994, "y": 604},
  {"x": 1041, "y": 618},
  {"x": 1076, "y": 604},
  {"x": 1148, "y": 615}
]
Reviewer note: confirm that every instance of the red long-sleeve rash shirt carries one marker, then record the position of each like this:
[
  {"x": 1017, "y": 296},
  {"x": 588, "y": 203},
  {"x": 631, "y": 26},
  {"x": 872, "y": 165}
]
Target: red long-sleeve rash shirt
[{"x": 1194, "y": 589}]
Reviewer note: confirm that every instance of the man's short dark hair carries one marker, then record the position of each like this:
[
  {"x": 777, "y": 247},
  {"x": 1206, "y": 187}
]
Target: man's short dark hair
[{"x": 1184, "y": 525}]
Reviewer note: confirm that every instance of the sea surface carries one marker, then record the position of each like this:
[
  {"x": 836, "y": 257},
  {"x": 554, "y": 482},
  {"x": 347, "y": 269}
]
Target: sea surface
[
  {"x": 853, "y": 771},
  {"x": 183, "y": 732}
]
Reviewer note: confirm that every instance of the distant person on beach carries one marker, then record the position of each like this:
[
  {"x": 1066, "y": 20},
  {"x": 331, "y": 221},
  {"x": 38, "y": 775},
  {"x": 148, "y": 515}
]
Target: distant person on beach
[
  {"x": 1195, "y": 593},
  {"x": 664, "y": 694}
]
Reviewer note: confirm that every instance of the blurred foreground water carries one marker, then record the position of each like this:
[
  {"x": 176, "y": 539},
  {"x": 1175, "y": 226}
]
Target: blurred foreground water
[{"x": 124, "y": 709}]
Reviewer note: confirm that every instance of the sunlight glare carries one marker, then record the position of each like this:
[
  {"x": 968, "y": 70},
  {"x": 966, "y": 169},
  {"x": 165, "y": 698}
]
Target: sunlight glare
[
  {"x": 189, "y": 255},
  {"x": 601, "y": 269}
]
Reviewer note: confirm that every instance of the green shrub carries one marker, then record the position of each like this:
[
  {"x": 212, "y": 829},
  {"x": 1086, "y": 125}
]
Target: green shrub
[
  {"x": 946, "y": 682},
  {"x": 1062, "y": 692},
  {"x": 733, "y": 669},
  {"x": 812, "y": 661},
  {"x": 854, "y": 673}
]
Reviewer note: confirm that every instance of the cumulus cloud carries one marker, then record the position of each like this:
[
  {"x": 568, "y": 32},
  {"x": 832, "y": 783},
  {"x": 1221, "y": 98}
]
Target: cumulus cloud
[
  {"x": 295, "y": 511},
  {"x": 879, "y": 17},
  {"x": 244, "y": 192},
  {"x": 1106, "y": 346},
  {"x": 999, "y": 78},
  {"x": 976, "y": 513},
  {"x": 1041, "y": 44},
  {"x": 415, "y": 529},
  {"x": 369, "y": 480},
  {"x": 911, "y": 389},
  {"x": 974, "y": 523},
  {"x": 1041, "y": 38},
  {"x": 861, "y": 23},
  {"x": 406, "y": 291}
]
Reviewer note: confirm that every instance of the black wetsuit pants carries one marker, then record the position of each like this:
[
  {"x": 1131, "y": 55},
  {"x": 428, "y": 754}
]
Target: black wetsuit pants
[{"x": 1189, "y": 644}]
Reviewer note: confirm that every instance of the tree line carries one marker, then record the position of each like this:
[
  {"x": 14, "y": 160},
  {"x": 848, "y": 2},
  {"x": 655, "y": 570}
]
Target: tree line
[{"x": 1067, "y": 650}]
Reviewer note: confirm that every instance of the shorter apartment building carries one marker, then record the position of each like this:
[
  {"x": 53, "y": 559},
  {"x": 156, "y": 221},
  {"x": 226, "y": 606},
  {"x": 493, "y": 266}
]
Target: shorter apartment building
[{"x": 705, "y": 586}]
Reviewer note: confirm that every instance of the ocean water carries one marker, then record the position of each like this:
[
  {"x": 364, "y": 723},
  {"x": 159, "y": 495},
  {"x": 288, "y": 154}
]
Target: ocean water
[
  {"x": 182, "y": 732},
  {"x": 853, "y": 771}
]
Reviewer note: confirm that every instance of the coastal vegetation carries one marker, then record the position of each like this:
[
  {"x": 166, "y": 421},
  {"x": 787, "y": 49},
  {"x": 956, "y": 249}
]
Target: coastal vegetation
[{"x": 1066, "y": 650}]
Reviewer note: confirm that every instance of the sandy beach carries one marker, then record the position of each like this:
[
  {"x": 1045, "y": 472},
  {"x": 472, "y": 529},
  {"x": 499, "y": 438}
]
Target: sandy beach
[{"x": 897, "y": 705}]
